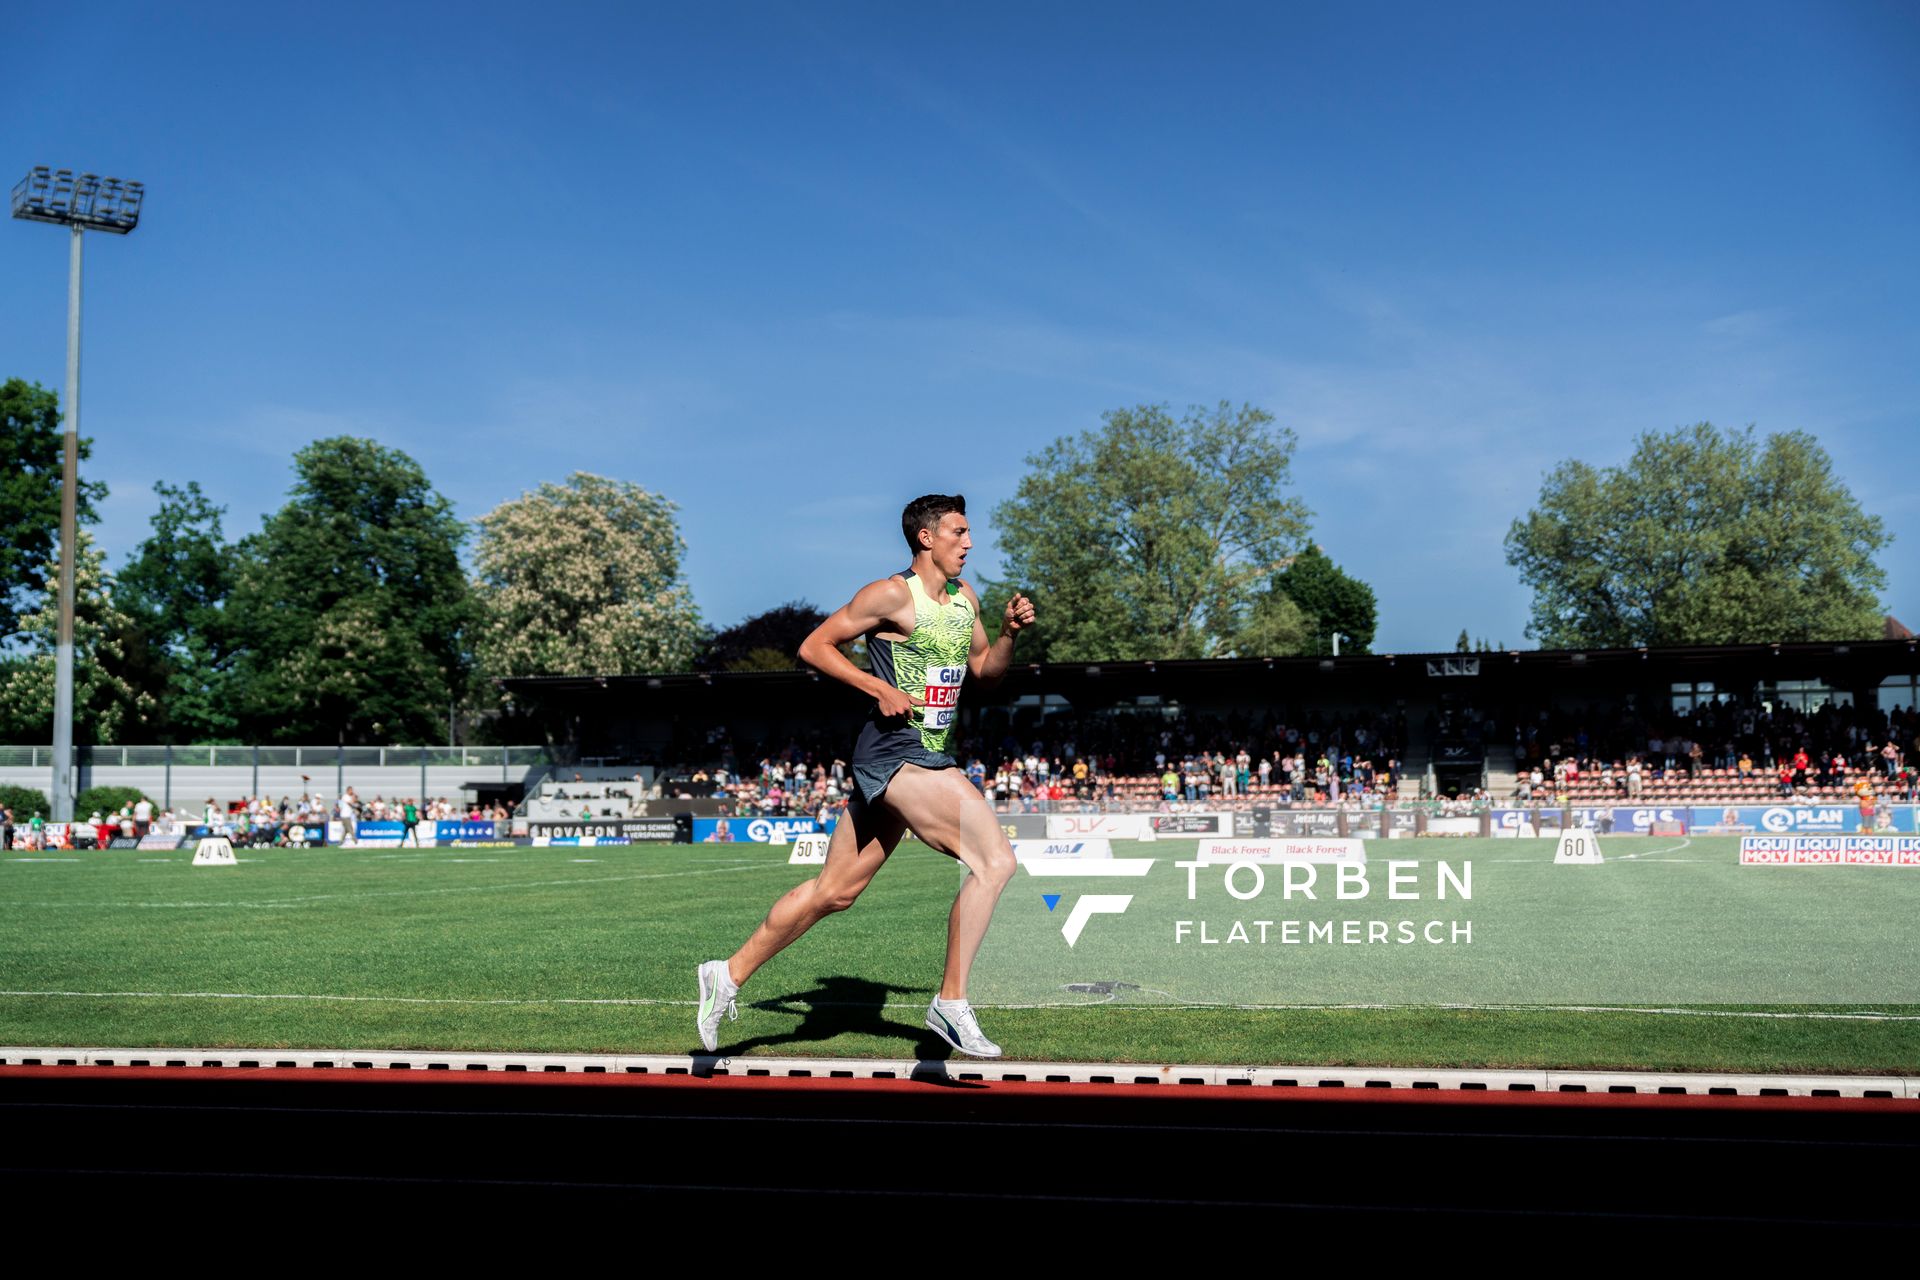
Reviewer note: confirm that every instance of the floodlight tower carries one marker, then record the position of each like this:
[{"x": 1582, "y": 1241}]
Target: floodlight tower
[{"x": 81, "y": 204}]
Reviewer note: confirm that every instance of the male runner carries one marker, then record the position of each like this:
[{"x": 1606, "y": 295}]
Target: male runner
[{"x": 924, "y": 638}]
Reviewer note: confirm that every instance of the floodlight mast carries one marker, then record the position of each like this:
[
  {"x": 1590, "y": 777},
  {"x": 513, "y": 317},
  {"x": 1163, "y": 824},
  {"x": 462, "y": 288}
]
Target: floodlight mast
[{"x": 86, "y": 203}]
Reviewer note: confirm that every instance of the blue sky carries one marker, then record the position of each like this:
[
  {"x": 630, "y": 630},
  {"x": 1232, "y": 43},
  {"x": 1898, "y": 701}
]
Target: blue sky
[{"x": 790, "y": 265}]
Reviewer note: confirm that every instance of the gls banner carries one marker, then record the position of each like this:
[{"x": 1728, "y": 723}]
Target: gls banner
[{"x": 1636, "y": 822}]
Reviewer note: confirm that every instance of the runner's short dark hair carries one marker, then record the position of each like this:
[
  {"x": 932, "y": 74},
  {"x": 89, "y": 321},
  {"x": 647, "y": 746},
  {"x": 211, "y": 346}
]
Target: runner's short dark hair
[{"x": 925, "y": 513}]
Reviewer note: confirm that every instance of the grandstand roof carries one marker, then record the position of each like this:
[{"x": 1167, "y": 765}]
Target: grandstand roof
[
  {"x": 1864, "y": 656},
  {"x": 615, "y": 715}
]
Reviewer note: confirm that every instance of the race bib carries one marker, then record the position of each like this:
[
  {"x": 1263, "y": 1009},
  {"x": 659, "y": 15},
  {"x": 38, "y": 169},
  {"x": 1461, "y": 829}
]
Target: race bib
[{"x": 943, "y": 696}]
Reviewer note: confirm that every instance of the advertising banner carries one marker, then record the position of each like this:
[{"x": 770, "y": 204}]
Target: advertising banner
[
  {"x": 750, "y": 830},
  {"x": 1283, "y": 850},
  {"x": 1191, "y": 824},
  {"x": 1812, "y": 818},
  {"x": 1608, "y": 821},
  {"x": 1112, "y": 826},
  {"x": 153, "y": 841},
  {"x": 1515, "y": 822},
  {"x": 307, "y": 835},
  {"x": 462, "y": 830},
  {"x": 1028, "y": 850},
  {"x": 378, "y": 834},
  {"x": 1253, "y": 824},
  {"x": 1305, "y": 822},
  {"x": 123, "y": 842},
  {"x": 1830, "y": 851},
  {"x": 1023, "y": 826},
  {"x": 609, "y": 831}
]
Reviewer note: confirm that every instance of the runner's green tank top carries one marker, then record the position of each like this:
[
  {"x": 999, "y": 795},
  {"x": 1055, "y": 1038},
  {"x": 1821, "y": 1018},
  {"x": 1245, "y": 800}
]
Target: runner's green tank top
[{"x": 931, "y": 663}]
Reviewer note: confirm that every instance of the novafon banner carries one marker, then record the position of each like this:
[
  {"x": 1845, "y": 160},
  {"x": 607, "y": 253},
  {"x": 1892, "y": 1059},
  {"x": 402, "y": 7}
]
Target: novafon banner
[{"x": 606, "y": 831}]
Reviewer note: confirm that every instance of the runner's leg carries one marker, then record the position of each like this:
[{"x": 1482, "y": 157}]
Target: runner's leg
[
  {"x": 862, "y": 839},
  {"x": 945, "y": 811}
]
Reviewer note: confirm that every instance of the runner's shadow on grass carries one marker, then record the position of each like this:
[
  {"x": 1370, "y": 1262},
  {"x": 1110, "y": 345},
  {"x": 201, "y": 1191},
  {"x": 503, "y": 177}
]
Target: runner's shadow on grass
[{"x": 842, "y": 1006}]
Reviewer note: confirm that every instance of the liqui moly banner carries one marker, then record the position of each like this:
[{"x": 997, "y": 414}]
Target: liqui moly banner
[{"x": 1830, "y": 851}]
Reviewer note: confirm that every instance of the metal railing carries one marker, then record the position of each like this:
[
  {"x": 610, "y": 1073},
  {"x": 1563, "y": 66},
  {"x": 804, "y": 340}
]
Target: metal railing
[{"x": 203, "y": 757}]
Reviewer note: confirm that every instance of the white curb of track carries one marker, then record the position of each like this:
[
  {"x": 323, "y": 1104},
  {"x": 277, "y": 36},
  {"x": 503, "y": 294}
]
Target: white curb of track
[{"x": 1386, "y": 1078}]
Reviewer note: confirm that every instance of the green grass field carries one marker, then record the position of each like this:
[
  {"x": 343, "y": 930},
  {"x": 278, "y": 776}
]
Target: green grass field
[{"x": 1670, "y": 956}]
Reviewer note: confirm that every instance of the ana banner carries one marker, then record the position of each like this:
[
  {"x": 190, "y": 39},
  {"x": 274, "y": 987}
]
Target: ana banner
[{"x": 1048, "y": 850}]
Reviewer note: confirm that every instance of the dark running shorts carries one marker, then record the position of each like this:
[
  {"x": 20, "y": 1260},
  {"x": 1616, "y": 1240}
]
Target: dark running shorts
[{"x": 880, "y": 752}]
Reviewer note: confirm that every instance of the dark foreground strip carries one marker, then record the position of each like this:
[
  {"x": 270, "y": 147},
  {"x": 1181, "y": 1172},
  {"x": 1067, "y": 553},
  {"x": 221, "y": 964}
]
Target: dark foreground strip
[{"x": 765, "y": 1153}]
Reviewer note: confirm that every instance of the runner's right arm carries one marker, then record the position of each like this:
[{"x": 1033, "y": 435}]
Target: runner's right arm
[{"x": 876, "y": 605}]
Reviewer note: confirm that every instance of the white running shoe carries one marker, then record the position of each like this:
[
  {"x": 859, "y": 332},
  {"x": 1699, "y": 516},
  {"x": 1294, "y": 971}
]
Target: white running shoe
[
  {"x": 955, "y": 1022},
  {"x": 717, "y": 990}
]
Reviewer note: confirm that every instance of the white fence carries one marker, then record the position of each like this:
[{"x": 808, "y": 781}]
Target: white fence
[{"x": 190, "y": 775}]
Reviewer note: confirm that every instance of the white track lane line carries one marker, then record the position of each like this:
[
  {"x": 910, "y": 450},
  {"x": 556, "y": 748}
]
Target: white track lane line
[
  {"x": 406, "y": 893},
  {"x": 920, "y": 1006}
]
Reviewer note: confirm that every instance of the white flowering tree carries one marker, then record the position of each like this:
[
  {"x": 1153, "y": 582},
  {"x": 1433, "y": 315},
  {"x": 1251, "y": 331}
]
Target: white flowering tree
[
  {"x": 584, "y": 578},
  {"x": 106, "y": 706}
]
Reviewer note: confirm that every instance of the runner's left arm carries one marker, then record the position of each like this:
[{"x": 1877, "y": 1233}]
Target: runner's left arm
[{"x": 987, "y": 663}]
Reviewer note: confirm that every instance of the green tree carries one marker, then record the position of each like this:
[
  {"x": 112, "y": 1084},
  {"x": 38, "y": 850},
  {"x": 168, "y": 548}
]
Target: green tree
[
  {"x": 175, "y": 587},
  {"x": 349, "y": 608},
  {"x": 1151, "y": 536},
  {"x": 1331, "y": 600},
  {"x": 106, "y": 706},
  {"x": 1705, "y": 536},
  {"x": 772, "y": 637},
  {"x": 584, "y": 579},
  {"x": 31, "y": 444}
]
